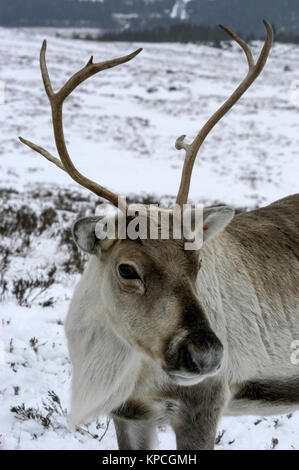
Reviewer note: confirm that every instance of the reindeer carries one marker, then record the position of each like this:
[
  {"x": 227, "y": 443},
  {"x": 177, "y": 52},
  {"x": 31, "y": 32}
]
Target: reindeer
[{"x": 157, "y": 333}]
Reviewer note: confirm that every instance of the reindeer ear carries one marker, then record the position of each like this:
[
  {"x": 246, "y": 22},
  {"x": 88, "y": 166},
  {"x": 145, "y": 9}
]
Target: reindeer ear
[
  {"x": 92, "y": 233},
  {"x": 84, "y": 234},
  {"x": 215, "y": 219}
]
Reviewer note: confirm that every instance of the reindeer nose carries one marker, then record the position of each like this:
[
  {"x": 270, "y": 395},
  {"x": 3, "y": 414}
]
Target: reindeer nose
[{"x": 203, "y": 359}]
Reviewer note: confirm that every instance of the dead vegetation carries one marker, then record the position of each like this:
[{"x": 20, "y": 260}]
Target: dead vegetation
[
  {"x": 25, "y": 218},
  {"x": 52, "y": 415},
  {"x": 46, "y": 416},
  {"x": 27, "y": 290}
]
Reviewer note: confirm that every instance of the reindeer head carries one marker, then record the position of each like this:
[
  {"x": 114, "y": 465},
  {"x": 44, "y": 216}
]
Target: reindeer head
[{"x": 149, "y": 286}]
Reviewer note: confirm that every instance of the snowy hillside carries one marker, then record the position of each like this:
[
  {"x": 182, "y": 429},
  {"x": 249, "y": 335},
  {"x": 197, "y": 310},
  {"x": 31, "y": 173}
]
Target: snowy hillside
[
  {"x": 108, "y": 15},
  {"x": 121, "y": 127},
  {"x": 179, "y": 10}
]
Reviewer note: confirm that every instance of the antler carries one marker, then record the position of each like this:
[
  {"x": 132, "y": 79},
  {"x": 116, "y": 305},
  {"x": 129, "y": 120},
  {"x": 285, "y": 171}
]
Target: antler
[
  {"x": 192, "y": 149},
  {"x": 56, "y": 101}
]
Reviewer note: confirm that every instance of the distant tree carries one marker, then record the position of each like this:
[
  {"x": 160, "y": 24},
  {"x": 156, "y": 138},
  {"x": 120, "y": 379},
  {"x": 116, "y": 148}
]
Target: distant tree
[
  {"x": 137, "y": 15},
  {"x": 185, "y": 32}
]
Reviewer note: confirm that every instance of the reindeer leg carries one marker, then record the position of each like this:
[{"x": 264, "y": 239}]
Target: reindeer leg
[
  {"x": 135, "y": 434},
  {"x": 202, "y": 406},
  {"x": 123, "y": 438}
]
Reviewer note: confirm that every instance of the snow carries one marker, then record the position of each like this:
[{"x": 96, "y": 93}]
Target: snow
[
  {"x": 121, "y": 127},
  {"x": 179, "y": 10}
]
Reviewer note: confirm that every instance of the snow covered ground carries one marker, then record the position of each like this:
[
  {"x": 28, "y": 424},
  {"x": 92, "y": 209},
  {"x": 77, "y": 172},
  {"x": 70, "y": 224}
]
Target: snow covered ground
[{"x": 121, "y": 127}]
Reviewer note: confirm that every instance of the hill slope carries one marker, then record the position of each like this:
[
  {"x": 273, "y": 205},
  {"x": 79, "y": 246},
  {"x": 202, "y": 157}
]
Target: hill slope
[{"x": 241, "y": 15}]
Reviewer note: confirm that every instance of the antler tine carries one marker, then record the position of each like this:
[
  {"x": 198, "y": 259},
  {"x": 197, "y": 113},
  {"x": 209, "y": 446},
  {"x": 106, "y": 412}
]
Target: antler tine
[
  {"x": 192, "y": 149},
  {"x": 43, "y": 152},
  {"x": 87, "y": 71},
  {"x": 241, "y": 43},
  {"x": 56, "y": 101}
]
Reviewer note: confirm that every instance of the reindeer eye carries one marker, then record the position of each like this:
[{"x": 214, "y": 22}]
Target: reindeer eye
[{"x": 127, "y": 271}]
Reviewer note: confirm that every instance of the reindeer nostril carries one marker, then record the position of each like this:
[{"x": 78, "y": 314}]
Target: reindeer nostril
[
  {"x": 201, "y": 360},
  {"x": 187, "y": 360}
]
